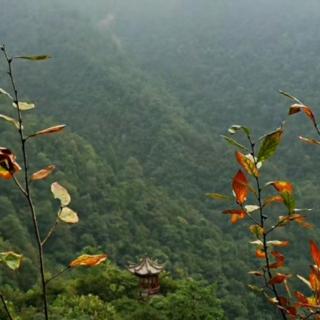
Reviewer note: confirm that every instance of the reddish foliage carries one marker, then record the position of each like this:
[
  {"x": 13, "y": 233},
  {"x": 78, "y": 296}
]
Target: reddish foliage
[{"x": 240, "y": 186}]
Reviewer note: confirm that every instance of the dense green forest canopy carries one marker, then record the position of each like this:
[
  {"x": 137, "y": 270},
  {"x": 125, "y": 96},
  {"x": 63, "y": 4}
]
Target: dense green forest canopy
[{"x": 147, "y": 87}]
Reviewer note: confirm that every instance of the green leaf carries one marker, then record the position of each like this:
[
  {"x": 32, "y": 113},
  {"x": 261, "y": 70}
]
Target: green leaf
[
  {"x": 218, "y": 196},
  {"x": 59, "y": 192},
  {"x": 257, "y": 230},
  {"x": 34, "y": 58},
  {"x": 234, "y": 143},
  {"x": 255, "y": 288},
  {"x": 288, "y": 95},
  {"x": 11, "y": 259},
  {"x": 269, "y": 145},
  {"x": 236, "y": 127},
  {"x": 10, "y": 120},
  {"x": 289, "y": 201},
  {"x": 67, "y": 215},
  {"x": 24, "y": 106}
]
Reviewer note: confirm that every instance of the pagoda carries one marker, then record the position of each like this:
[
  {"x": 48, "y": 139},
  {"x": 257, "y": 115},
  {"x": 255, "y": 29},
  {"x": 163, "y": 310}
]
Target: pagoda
[{"x": 148, "y": 272}]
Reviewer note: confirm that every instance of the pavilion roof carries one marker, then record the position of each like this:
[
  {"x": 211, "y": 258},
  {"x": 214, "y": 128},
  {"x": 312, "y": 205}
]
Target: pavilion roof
[{"x": 145, "y": 267}]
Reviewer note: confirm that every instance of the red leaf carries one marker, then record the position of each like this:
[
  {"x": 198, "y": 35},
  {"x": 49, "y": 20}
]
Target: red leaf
[
  {"x": 303, "y": 301},
  {"x": 279, "y": 260},
  {"x": 292, "y": 311},
  {"x": 315, "y": 253},
  {"x": 240, "y": 187},
  {"x": 279, "y": 278}
]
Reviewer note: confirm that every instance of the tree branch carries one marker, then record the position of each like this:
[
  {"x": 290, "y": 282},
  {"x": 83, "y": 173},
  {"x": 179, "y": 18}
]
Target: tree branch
[
  {"x": 5, "y": 307},
  {"x": 58, "y": 274},
  {"x": 50, "y": 233}
]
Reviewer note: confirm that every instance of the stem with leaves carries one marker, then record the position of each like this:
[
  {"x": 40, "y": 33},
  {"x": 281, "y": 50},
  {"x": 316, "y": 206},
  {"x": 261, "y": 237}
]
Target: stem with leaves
[
  {"x": 264, "y": 235},
  {"x": 26, "y": 189},
  {"x": 9, "y": 167}
]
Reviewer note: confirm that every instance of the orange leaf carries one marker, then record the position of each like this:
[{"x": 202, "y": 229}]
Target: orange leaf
[
  {"x": 279, "y": 278},
  {"x": 282, "y": 186},
  {"x": 236, "y": 215},
  {"x": 272, "y": 199},
  {"x": 260, "y": 254},
  {"x": 43, "y": 173},
  {"x": 247, "y": 164},
  {"x": 295, "y": 108},
  {"x": 88, "y": 260},
  {"x": 240, "y": 187},
  {"x": 300, "y": 219},
  {"x": 315, "y": 253},
  {"x": 315, "y": 280},
  {"x": 50, "y": 130},
  {"x": 8, "y": 164},
  {"x": 277, "y": 243}
]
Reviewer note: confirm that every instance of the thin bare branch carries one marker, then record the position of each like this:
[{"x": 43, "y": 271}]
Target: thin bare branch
[
  {"x": 58, "y": 274},
  {"x": 50, "y": 233},
  {"x": 19, "y": 185},
  {"x": 5, "y": 306}
]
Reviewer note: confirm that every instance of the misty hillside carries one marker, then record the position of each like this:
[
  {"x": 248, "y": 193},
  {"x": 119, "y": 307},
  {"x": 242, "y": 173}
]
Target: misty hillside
[{"x": 146, "y": 89}]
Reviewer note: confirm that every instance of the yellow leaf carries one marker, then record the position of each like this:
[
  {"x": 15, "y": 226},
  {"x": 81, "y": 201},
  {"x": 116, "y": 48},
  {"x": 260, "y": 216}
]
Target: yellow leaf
[
  {"x": 67, "y": 215},
  {"x": 59, "y": 192},
  {"x": 24, "y": 106}
]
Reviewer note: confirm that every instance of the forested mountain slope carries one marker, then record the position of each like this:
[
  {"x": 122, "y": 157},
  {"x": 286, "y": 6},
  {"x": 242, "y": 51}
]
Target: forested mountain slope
[{"x": 146, "y": 90}]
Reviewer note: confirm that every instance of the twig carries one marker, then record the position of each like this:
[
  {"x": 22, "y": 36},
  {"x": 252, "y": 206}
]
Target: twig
[
  {"x": 249, "y": 215},
  {"x": 275, "y": 227},
  {"x": 19, "y": 185},
  {"x": 50, "y": 232},
  {"x": 58, "y": 274}
]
